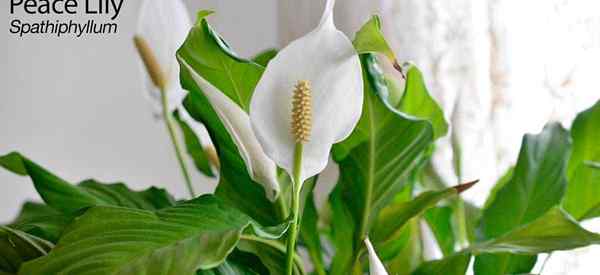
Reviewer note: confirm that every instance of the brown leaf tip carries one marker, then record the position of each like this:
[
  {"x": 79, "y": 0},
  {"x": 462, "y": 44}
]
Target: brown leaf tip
[
  {"x": 463, "y": 187},
  {"x": 398, "y": 68}
]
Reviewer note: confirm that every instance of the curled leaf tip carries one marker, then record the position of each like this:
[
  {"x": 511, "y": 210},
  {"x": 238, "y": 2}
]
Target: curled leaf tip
[
  {"x": 463, "y": 187},
  {"x": 202, "y": 14}
]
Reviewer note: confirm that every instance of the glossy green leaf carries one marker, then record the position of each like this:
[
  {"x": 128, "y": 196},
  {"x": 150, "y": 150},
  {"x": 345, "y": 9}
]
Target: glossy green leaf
[
  {"x": 235, "y": 185},
  {"x": 377, "y": 158},
  {"x": 342, "y": 233},
  {"x": 417, "y": 101},
  {"x": 409, "y": 251},
  {"x": 555, "y": 230},
  {"x": 210, "y": 56},
  {"x": 404, "y": 254},
  {"x": 17, "y": 247},
  {"x": 68, "y": 198},
  {"x": 13, "y": 162},
  {"x": 393, "y": 217},
  {"x": 392, "y": 250},
  {"x": 537, "y": 184},
  {"x": 582, "y": 199},
  {"x": 228, "y": 268},
  {"x": 194, "y": 147},
  {"x": 439, "y": 220},
  {"x": 41, "y": 221},
  {"x": 490, "y": 263},
  {"x": 264, "y": 57},
  {"x": 456, "y": 264},
  {"x": 197, "y": 234},
  {"x": 206, "y": 52},
  {"x": 237, "y": 263},
  {"x": 272, "y": 255},
  {"x": 370, "y": 39}
]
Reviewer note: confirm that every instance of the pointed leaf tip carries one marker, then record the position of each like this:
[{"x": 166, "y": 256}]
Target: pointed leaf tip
[
  {"x": 13, "y": 162},
  {"x": 398, "y": 68},
  {"x": 203, "y": 13},
  {"x": 463, "y": 187}
]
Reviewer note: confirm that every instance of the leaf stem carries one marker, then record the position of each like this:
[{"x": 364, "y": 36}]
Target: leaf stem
[
  {"x": 461, "y": 220},
  {"x": 296, "y": 186},
  {"x": 275, "y": 245},
  {"x": 169, "y": 123}
]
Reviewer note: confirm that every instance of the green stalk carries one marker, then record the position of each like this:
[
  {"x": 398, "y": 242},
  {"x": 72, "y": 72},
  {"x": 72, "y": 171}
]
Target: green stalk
[
  {"x": 461, "y": 220},
  {"x": 169, "y": 123},
  {"x": 293, "y": 232}
]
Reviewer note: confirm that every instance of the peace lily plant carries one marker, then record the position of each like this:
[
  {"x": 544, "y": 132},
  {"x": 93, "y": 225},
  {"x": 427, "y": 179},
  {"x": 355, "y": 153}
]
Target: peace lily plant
[{"x": 275, "y": 121}]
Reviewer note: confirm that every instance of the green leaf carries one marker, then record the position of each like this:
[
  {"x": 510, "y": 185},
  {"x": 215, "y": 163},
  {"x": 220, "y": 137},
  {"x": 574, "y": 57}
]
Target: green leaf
[
  {"x": 537, "y": 184},
  {"x": 17, "y": 247},
  {"x": 272, "y": 254},
  {"x": 197, "y": 234},
  {"x": 393, "y": 217},
  {"x": 13, "y": 162},
  {"x": 439, "y": 220},
  {"x": 235, "y": 185},
  {"x": 41, "y": 221},
  {"x": 582, "y": 199},
  {"x": 194, "y": 147},
  {"x": 211, "y": 57},
  {"x": 377, "y": 158},
  {"x": 555, "y": 230},
  {"x": 342, "y": 232},
  {"x": 456, "y": 264},
  {"x": 516, "y": 264},
  {"x": 264, "y": 57},
  {"x": 396, "y": 251},
  {"x": 208, "y": 55},
  {"x": 370, "y": 39},
  {"x": 55, "y": 191},
  {"x": 228, "y": 268},
  {"x": 68, "y": 198},
  {"x": 417, "y": 101},
  {"x": 237, "y": 263},
  {"x": 405, "y": 255}
]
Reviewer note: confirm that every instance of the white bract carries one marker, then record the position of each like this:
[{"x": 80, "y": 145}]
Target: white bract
[
  {"x": 164, "y": 25},
  {"x": 260, "y": 167},
  {"x": 327, "y": 61},
  {"x": 375, "y": 265}
]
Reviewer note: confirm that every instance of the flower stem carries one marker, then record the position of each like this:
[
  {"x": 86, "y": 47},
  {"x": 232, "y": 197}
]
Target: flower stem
[
  {"x": 169, "y": 123},
  {"x": 296, "y": 186},
  {"x": 461, "y": 220}
]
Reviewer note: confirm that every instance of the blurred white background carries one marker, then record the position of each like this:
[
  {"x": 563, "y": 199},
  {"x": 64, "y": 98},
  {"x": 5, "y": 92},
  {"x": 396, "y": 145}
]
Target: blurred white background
[{"x": 499, "y": 68}]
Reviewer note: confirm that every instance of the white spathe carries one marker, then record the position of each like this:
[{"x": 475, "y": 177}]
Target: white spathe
[
  {"x": 164, "y": 25},
  {"x": 325, "y": 58},
  {"x": 375, "y": 265},
  {"x": 260, "y": 167}
]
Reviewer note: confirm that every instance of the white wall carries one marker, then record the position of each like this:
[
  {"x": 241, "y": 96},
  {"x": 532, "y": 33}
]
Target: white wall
[{"x": 76, "y": 106}]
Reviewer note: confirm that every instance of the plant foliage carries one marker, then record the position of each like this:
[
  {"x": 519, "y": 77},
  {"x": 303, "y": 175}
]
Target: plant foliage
[{"x": 381, "y": 193}]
